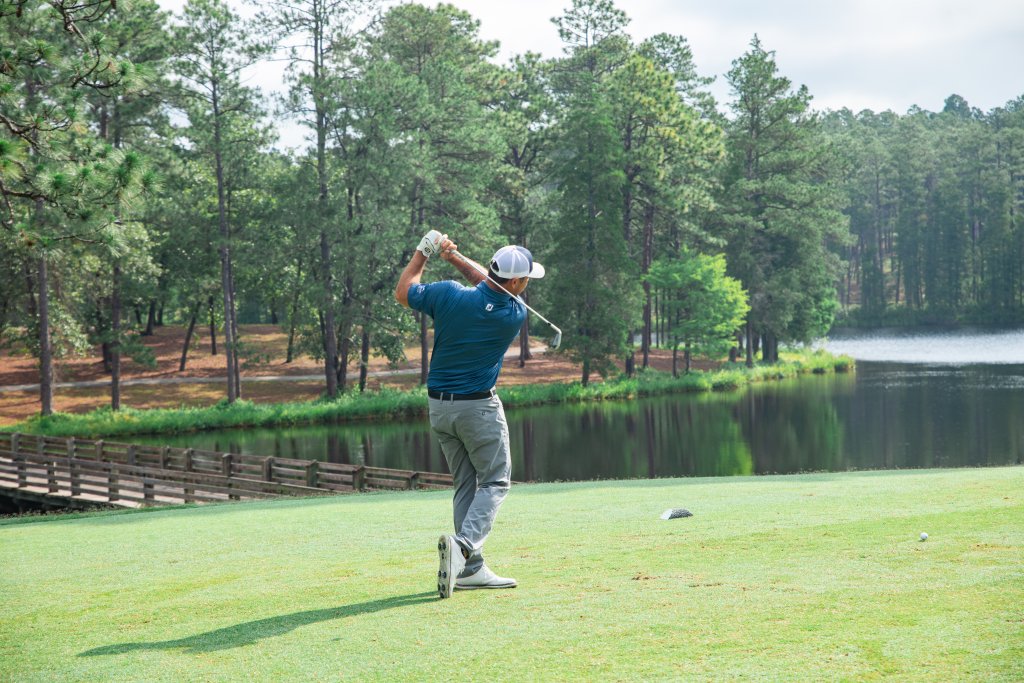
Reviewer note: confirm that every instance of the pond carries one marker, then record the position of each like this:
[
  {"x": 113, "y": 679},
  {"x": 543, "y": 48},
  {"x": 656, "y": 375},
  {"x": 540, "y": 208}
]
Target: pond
[{"x": 916, "y": 400}]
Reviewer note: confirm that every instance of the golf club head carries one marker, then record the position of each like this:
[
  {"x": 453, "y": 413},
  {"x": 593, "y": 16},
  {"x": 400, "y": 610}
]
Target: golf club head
[{"x": 556, "y": 341}]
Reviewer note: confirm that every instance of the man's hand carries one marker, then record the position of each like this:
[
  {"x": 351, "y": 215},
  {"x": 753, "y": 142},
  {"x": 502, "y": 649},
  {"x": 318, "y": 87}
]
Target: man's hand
[
  {"x": 448, "y": 249},
  {"x": 432, "y": 243}
]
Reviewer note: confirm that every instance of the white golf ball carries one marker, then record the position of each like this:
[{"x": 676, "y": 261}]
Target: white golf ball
[{"x": 924, "y": 536}]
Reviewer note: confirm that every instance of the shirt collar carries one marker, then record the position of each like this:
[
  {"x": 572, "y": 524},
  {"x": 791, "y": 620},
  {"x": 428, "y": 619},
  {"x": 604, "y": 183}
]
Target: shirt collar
[{"x": 500, "y": 296}]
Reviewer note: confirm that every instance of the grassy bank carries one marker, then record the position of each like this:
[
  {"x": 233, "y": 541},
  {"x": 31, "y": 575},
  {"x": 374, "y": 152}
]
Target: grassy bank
[
  {"x": 390, "y": 403},
  {"x": 808, "y": 577}
]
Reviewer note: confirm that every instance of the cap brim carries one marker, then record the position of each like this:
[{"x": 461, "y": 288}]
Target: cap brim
[{"x": 537, "y": 271}]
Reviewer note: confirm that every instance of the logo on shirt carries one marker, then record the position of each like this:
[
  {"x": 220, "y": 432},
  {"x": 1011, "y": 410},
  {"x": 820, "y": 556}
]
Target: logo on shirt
[
  {"x": 489, "y": 307},
  {"x": 420, "y": 288}
]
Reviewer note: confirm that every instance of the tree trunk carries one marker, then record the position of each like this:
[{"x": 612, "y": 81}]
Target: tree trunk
[
  {"x": 524, "y": 336},
  {"x": 213, "y": 329},
  {"x": 45, "y": 347},
  {"x": 188, "y": 337},
  {"x": 160, "y": 315},
  {"x": 675, "y": 360},
  {"x": 645, "y": 266},
  {"x": 225, "y": 283},
  {"x": 344, "y": 348},
  {"x": 290, "y": 354},
  {"x": 585, "y": 375},
  {"x": 364, "y": 361},
  {"x": 686, "y": 359},
  {"x": 115, "y": 339},
  {"x": 291, "y": 316},
  {"x": 190, "y": 330},
  {"x": 150, "y": 319},
  {"x": 750, "y": 344},
  {"x": 234, "y": 327},
  {"x": 330, "y": 340},
  {"x": 33, "y": 309}
]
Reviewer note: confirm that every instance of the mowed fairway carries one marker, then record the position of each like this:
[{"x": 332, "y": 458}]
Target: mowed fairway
[{"x": 811, "y": 577}]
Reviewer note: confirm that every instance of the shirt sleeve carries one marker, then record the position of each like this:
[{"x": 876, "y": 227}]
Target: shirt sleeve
[{"x": 427, "y": 298}]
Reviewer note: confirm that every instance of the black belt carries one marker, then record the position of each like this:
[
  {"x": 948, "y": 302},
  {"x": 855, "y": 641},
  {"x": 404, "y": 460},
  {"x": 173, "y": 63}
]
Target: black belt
[{"x": 448, "y": 396}]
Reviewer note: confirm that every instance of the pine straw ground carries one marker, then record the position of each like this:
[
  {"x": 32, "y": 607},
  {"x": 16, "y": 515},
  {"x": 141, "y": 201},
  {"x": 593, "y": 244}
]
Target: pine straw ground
[{"x": 266, "y": 346}]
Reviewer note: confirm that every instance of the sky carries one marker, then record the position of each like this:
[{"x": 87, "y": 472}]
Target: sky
[{"x": 859, "y": 54}]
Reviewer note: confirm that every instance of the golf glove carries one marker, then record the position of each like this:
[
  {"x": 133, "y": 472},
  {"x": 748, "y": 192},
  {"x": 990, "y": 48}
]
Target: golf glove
[{"x": 431, "y": 243}]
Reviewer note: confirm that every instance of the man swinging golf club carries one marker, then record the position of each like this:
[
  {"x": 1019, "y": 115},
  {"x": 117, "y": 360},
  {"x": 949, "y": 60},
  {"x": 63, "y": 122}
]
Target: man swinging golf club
[{"x": 473, "y": 327}]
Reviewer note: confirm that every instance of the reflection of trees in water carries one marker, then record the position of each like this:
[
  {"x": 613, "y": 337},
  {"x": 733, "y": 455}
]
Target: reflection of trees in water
[
  {"x": 529, "y": 468},
  {"x": 791, "y": 427},
  {"x": 672, "y": 436},
  {"x": 888, "y": 416},
  {"x": 337, "y": 449}
]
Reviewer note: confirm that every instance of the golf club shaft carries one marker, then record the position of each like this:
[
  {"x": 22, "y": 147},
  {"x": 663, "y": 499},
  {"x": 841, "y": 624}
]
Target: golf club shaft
[{"x": 483, "y": 271}]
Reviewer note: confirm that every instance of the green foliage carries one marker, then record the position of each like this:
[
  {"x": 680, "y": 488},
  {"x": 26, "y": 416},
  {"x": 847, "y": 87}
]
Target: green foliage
[
  {"x": 705, "y": 306},
  {"x": 782, "y": 203},
  {"x": 933, "y": 198},
  {"x": 596, "y": 291},
  {"x": 603, "y": 161}
]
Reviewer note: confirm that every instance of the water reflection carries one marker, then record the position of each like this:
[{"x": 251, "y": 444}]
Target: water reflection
[{"x": 883, "y": 416}]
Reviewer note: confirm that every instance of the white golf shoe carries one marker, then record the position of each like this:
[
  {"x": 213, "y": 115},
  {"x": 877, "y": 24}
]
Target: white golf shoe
[
  {"x": 451, "y": 564},
  {"x": 484, "y": 578}
]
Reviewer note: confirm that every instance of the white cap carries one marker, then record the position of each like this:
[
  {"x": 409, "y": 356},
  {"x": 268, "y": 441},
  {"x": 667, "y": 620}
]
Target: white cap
[{"x": 514, "y": 261}]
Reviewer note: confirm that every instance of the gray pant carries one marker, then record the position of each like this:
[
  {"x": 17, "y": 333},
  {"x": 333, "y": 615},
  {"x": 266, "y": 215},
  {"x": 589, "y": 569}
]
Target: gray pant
[{"x": 474, "y": 439}]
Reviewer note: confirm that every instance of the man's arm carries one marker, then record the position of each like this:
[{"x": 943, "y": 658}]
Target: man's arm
[
  {"x": 409, "y": 277},
  {"x": 414, "y": 271},
  {"x": 470, "y": 269}
]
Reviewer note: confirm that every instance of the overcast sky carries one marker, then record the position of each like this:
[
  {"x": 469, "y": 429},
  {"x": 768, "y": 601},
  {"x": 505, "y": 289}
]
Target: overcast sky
[{"x": 860, "y": 54}]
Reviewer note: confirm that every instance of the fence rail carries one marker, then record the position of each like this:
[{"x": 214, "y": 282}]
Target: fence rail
[{"x": 98, "y": 472}]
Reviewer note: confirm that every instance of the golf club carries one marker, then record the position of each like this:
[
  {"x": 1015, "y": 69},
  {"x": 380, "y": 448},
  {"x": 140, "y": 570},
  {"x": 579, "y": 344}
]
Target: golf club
[{"x": 556, "y": 340}]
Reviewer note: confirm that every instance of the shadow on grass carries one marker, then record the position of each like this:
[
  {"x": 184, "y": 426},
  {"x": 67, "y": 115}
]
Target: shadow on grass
[{"x": 253, "y": 631}]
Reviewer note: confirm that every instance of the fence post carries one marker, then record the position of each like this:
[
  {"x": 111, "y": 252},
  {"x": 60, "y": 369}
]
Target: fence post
[
  {"x": 72, "y": 447},
  {"x": 147, "y": 490},
  {"x": 189, "y": 491},
  {"x": 20, "y": 464},
  {"x": 225, "y": 464},
  {"x": 18, "y": 460},
  {"x": 131, "y": 454},
  {"x": 99, "y": 450},
  {"x": 165, "y": 457},
  {"x": 51, "y": 477},
  {"x": 76, "y": 484},
  {"x": 414, "y": 481},
  {"x": 359, "y": 478},
  {"x": 312, "y": 473},
  {"x": 113, "y": 490},
  {"x": 268, "y": 468}
]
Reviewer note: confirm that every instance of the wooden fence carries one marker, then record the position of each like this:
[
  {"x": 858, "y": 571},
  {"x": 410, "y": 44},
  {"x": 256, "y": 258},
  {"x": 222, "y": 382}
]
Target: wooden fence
[{"x": 80, "y": 471}]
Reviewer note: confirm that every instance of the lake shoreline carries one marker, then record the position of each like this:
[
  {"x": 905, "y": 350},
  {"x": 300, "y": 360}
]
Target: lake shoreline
[{"x": 390, "y": 403}]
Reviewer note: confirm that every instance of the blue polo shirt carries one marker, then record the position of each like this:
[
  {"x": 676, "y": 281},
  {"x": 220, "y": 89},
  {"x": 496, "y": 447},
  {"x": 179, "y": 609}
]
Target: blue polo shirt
[{"x": 473, "y": 327}]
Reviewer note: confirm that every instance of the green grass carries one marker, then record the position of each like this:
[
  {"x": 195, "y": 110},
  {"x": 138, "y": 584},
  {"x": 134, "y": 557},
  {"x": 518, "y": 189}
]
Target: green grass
[
  {"x": 390, "y": 403},
  {"x": 809, "y": 577}
]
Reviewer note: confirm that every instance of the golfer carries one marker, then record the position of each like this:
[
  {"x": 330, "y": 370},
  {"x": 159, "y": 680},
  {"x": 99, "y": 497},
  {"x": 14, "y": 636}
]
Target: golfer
[{"x": 473, "y": 327}]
